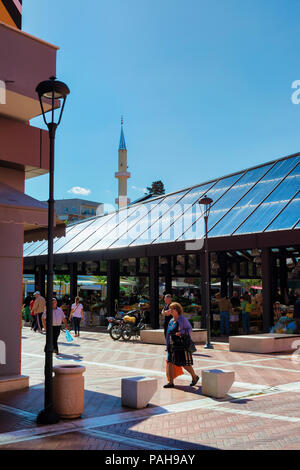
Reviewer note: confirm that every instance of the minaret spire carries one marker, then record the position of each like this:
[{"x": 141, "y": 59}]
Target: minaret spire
[
  {"x": 122, "y": 175},
  {"x": 122, "y": 145}
]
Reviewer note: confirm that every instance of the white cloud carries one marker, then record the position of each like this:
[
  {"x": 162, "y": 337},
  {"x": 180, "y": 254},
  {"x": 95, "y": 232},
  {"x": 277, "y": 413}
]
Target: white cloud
[
  {"x": 79, "y": 190},
  {"x": 139, "y": 189}
]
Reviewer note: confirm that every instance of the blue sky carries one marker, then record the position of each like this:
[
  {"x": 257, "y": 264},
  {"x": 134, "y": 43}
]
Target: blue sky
[{"x": 204, "y": 87}]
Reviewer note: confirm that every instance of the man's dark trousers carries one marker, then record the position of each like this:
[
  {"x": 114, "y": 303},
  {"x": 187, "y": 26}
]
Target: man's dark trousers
[{"x": 56, "y": 333}]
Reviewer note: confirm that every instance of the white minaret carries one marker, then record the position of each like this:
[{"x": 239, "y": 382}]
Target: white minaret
[{"x": 122, "y": 175}]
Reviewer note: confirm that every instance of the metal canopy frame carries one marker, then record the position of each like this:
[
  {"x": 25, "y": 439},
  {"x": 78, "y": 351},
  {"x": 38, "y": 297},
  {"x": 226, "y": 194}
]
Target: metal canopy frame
[{"x": 97, "y": 229}]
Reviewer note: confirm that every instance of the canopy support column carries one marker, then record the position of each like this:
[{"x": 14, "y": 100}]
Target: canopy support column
[
  {"x": 203, "y": 296},
  {"x": 223, "y": 269},
  {"x": 73, "y": 281},
  {"x": 113, "y": 285},
  {"x": 266, "y": 271},
  {"x": 39, "y": 279},
  {"x": 169, "y": 275},
  {"x": 283, "y": 277},
  {"x": 154, "y": 291}
]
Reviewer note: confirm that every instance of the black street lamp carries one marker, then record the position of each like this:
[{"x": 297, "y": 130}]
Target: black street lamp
[
  {"x": 206, "y": 202},
  {"x": 52, "y": 90}
]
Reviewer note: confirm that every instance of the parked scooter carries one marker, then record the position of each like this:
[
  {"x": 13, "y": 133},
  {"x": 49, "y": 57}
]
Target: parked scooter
[{"x": 133, "y": 329}]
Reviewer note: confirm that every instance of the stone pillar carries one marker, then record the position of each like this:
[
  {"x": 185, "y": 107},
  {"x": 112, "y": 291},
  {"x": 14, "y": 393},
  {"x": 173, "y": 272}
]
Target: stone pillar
[
  {"x": 154, "y": 291},
  {"x": 11, "y": 267},
  {"x": 11, "y": 293},
  {"x": 113, "y": 285},
  {"x": 73, "y": 281},
  {"x": 266, "y": 272}
]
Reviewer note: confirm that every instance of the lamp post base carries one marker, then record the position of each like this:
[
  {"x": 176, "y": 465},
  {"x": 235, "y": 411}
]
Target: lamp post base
[
  {"x": 47, "y": 416},
  {"x": 208, "y": 346}
]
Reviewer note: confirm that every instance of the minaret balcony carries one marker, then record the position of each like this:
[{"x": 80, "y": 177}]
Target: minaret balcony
[
  {"x": 125, "y": 201},
  {"x": 122, "y": 174}
]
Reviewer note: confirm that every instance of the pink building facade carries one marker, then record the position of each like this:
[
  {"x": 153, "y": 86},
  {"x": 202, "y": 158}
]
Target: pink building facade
[{"x": 24, "y": 153}]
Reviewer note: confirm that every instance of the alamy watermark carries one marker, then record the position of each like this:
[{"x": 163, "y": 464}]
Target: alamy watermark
[
  {"x": 296, "y": 353},
  {"x": 151, "y": 223},
  {"x": 296, "y": 94},
  {"x": 2, "y": 352},
  {"x": 2, "y": 92}
]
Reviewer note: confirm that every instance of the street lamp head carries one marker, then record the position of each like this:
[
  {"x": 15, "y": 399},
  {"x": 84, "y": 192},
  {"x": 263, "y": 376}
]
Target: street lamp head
[
  {"x": 52, "y": 89},
  {"x": 207, "y": 202}
]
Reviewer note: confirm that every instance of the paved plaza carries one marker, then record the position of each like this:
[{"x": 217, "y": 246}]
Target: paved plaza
[{"x": 261, "y": 412}]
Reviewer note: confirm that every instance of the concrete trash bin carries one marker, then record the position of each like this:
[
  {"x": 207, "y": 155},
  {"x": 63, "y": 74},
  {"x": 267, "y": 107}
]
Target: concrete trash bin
[{"x": 68, "y": 390}]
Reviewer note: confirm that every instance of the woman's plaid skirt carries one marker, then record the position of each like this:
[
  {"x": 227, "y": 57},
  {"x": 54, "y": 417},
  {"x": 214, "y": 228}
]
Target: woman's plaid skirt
[{"x": 178, "y": 355}]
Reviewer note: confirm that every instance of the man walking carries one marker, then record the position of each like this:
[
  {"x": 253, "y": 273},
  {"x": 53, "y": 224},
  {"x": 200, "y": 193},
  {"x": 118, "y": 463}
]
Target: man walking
[
  {"x": 58, "y": 317},
  {"x": 166, "y": 312},
  {"x": 37, "y": 311}
]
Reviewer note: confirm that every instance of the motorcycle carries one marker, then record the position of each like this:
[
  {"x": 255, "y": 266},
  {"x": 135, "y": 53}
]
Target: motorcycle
[
  {"x": 115, "y": 326},
  {"x": 130, "y": 329}
]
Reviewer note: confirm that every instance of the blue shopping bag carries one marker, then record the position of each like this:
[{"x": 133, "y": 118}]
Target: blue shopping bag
[{"x": 69, "y": 337}]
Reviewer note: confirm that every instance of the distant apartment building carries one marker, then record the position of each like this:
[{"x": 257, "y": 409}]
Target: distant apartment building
[{"x": 77, "y": 209}]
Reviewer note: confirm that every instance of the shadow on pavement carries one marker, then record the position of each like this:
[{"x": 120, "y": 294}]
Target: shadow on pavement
[
  {"x": 97, "y": 404},
  {"x": 201, "y": 355},
  {"x": 69, "y": 357},
  {"x": 187, "y": 388},
  {"x": 88, "y": 339},
  {"x": 68, "y": 344}
]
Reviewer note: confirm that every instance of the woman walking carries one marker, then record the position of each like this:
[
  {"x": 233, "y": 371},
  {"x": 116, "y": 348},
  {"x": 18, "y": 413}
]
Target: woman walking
[
  {"x": 77, "y": 315},
  {"x": 178, "y": 355}
]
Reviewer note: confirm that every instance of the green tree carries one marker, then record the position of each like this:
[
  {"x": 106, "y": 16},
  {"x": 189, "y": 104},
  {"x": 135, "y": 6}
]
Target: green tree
[
  {"x": 61, "y": 279},
  {"x": 247, "y": 283},
  {"x": 156, "y": 189},
  {"x": 100, "y": 279}
]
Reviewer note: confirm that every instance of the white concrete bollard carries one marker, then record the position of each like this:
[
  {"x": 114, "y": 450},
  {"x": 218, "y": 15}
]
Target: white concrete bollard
[
  {"x": 137, "y": 392},
  {"x": 216, "y": 382}
]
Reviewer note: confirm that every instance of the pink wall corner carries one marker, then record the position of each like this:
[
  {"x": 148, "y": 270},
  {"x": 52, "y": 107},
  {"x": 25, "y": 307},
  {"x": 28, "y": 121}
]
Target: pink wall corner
[
  {"x": 23, "y": 144},
  {"x": 13, "y": 178},
  {"x": 25, "y": 60}
]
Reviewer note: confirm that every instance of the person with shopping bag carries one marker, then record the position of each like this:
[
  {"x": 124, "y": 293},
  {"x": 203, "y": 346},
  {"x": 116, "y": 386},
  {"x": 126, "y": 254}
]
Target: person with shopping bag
[
  {"x": 58, "y": 317},
  {"x": 179, "y": 346},
  {"x": 76, "y": 315}
]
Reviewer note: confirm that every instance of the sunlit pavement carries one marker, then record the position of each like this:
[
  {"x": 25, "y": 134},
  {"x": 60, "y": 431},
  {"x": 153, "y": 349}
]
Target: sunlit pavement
[{"x": 261, "y": 412}]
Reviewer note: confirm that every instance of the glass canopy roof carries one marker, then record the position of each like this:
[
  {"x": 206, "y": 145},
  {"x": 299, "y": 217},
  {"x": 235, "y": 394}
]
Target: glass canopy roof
[{"x": 259, "y": 199}]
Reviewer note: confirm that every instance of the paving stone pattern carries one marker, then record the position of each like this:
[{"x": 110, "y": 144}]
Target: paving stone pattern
[{"x": 260, "y": 411}]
